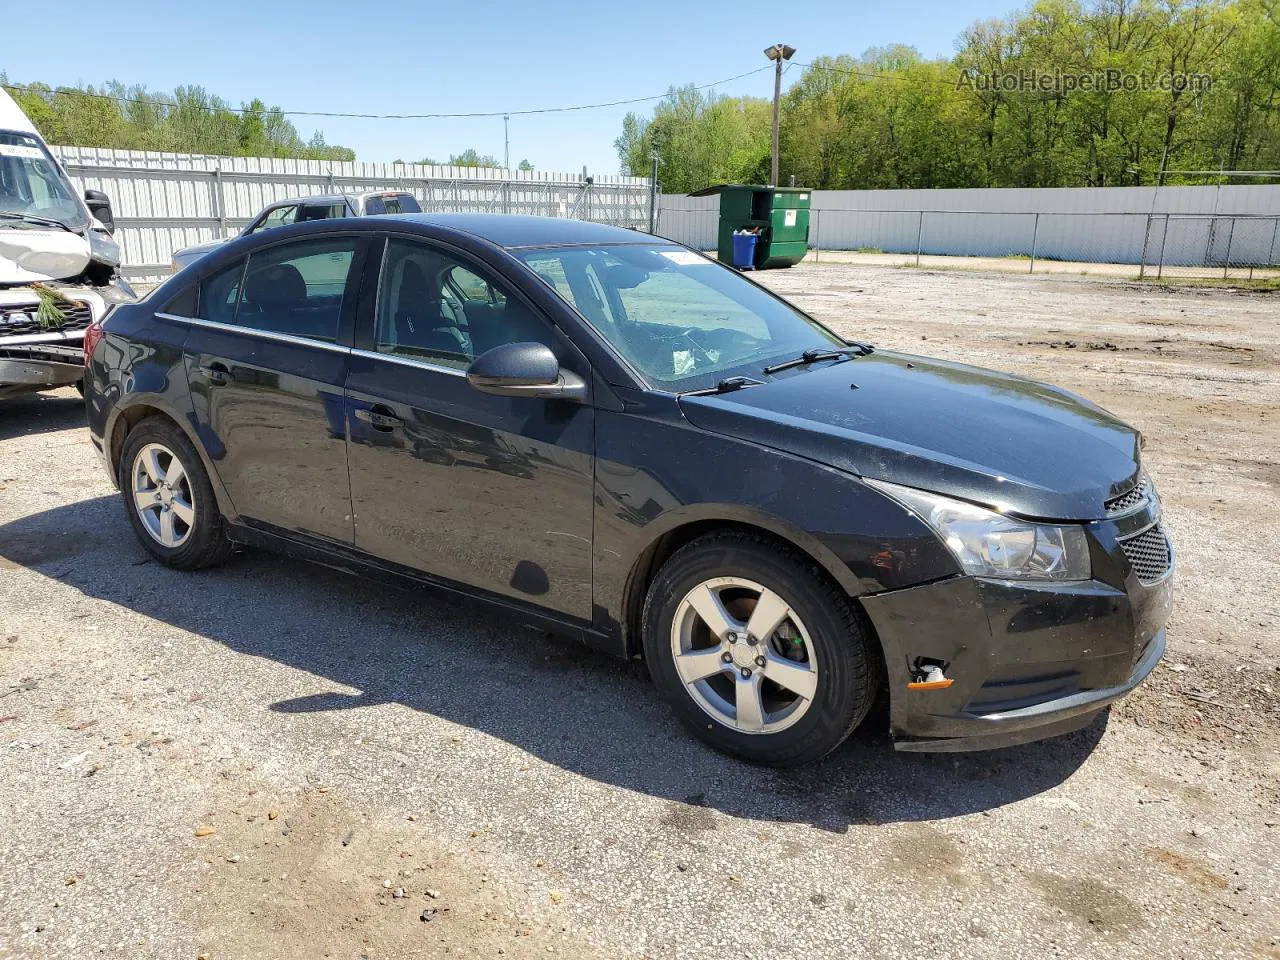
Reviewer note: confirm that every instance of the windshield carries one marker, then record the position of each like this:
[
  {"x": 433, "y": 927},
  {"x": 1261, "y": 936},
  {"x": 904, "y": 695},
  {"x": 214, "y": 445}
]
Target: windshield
[
  {"x": 31, "y": 184},
  {"x": 683, "y": 321}
]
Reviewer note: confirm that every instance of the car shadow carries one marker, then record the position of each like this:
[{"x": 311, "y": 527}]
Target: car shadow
[
  {"x": 588, "y": 714},
  {"x": 35, "y": 413}
]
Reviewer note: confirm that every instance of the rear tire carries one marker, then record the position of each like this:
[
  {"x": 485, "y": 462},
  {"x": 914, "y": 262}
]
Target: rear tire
[
  {"x": 169, "y": 498},
  {"x": 782, "y": 699}
]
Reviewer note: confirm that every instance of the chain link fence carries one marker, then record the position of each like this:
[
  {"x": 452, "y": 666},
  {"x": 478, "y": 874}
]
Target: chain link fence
[
  {"x": 1193, "y": 231},
  {"x": 1156, "y": 245}
]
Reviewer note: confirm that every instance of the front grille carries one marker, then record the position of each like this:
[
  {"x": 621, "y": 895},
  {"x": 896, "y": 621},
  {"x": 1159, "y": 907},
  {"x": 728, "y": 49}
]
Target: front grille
[
  {"x": 22, "y": 320},
  {"x": 1148, "y": 554},
  {"x": 1135, "y": 495}
]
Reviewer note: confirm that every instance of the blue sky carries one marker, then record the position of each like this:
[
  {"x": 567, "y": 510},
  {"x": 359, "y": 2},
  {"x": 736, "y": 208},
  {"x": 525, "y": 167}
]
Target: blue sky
[{"x": 428, "y": 57}]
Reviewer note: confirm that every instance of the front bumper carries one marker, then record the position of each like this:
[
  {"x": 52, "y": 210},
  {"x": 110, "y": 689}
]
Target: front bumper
[
  {"x": 30, "y": 370},
  {"x": 1026, "y": 660}
]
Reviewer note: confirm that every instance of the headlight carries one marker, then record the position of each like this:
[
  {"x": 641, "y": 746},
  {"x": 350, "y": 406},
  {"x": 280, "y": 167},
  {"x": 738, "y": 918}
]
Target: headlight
[{"x": 990, "y": 544}]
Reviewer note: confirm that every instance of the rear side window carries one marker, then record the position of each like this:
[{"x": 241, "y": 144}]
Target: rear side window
[
  {"x": 183, "y": 304},
  {"x": 393, "y": 203},
  {"x": 322, "y": 211},
  {"x": 298, "y": 288},
  {"x": 219, "y": 294}
]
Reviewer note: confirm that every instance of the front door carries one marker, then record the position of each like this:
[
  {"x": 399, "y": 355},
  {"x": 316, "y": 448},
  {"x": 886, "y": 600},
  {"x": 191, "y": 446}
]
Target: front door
[
  {"x": 490, "y": 492},
  {"x": 267, "y": 360}
]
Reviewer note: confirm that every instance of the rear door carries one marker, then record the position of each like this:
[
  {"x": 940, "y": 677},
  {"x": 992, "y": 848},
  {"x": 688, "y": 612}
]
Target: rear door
[
  {"x": 266, "y": 361},
  {"x": 491, "y": 492}
]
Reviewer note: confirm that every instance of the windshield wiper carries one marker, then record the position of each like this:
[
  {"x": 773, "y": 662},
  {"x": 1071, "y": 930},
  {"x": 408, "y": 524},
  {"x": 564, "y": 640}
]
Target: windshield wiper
[
  {"x": 32, "y": 218},
  {"x": 821, "y": 353},
  {"x": 728, "y": 385}
]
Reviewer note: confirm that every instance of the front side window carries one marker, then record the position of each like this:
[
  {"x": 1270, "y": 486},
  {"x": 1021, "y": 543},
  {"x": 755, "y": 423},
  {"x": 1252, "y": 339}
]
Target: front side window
[
  {"x": 434, "y": 307},
  {"x": 297, "y": 288},
  {"x": 278, "y": 217},
  {"x": 683, "y": 321},
  {"x": 32, "y": 185}
]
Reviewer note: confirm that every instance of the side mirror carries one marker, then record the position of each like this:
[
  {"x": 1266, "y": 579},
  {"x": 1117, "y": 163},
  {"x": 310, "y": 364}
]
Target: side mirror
[
  {"x": 525, "y": 370},
  {"x": 99, "y": 205}
]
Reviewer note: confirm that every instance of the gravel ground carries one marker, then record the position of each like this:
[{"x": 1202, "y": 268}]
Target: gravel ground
[{"x": 275, "y": 760}]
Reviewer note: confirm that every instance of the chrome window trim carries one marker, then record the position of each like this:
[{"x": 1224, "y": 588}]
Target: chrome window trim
[
  {"x": 409, "y": 362},
  {"x": 250, "y": 331}
]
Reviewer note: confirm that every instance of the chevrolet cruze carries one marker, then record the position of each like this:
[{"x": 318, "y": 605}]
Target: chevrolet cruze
[{"x": 618, "y": 439}]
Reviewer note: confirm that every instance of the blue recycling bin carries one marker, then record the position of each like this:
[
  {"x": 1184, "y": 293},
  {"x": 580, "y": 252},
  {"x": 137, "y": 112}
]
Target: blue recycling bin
[{"x": 744, "y": 250}]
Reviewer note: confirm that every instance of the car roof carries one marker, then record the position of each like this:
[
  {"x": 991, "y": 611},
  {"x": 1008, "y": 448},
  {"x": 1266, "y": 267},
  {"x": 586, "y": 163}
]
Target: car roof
[
  {"x": 352, "y": 198},
  {"x": 514, "y": 231},
  {"x": 12, "y": 117},
  {"x": 318, "y": 198}
]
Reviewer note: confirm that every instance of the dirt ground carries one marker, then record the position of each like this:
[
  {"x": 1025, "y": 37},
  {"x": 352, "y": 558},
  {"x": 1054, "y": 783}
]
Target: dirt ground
[{"x": 273, "y": 760}]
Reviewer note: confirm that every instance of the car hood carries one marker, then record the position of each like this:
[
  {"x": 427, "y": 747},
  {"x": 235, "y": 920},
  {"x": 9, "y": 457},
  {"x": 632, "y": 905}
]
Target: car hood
[
  {"x": 29, "y": 256},
  {"x": 200, "y": 249},
  {"x": 987, "y": 437}
]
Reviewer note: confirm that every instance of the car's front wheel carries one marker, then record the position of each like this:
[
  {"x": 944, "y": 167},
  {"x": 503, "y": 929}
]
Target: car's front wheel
[
  {"x": 169, "y": 499},
  {"x": 761, "y": 655}
]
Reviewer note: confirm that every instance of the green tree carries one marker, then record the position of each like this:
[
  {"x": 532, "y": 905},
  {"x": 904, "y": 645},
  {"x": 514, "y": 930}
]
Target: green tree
[{"x": 188, "y": 120}]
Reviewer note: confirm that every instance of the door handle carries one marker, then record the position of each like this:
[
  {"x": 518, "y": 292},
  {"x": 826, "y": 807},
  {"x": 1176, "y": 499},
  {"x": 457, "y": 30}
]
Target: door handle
[
  {"x": 379, "y": 417},
  {"x": 217, "y": 373}
]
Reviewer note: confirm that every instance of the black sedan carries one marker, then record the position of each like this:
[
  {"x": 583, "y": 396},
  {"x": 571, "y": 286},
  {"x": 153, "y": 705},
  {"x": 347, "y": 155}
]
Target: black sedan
[{"x": 621, "y": 440}]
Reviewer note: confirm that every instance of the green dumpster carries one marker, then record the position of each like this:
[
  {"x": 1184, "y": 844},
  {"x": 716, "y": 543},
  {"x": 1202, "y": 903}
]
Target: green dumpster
[{"x": 780, "y": 213}]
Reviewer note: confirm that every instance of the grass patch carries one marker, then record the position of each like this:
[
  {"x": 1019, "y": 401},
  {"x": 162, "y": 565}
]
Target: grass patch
[
  {"x": 1257, "y": 285},
  {"x": 868, "y": 250}
]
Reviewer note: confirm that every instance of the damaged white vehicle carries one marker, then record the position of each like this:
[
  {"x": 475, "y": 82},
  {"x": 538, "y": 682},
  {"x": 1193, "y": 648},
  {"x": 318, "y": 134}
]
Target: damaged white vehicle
[{"x": 59, "y": 266}]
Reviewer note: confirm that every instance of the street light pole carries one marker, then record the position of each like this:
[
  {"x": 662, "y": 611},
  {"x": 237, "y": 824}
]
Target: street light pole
[
  {"x": 777, "y": 53},
  {"x": 506, "y": 141}
]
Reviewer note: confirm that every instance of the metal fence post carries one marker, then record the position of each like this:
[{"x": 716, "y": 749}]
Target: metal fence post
[
  {"x": 220, "y": 203},
  {"x": 919, "y": 234},
  {"x": 1146, "y": 238},
  {"x": 653, "y": 193},
  {"x": 1163, "y": 239},
  {"x": 1035, "y": 236},
  {"x": 1271, "y": 254},
  {"x": 1226, "y": 267}
]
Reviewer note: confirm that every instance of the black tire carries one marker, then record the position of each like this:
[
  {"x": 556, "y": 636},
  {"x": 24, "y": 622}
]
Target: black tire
[
  {"x": 849, "y": 671},
  {"x": 206, "y": 544}
]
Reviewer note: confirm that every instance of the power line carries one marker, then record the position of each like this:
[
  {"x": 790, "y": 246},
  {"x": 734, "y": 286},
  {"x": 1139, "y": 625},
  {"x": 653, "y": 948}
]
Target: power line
[
  {"x": 382, "y": 116},
  {"x": 867, "y": 75}
]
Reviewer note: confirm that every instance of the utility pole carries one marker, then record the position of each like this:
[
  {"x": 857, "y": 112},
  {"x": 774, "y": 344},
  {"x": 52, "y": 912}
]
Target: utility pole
[
  {"x": 506, "y": 141},
  {"x": 777, "y": 53}
]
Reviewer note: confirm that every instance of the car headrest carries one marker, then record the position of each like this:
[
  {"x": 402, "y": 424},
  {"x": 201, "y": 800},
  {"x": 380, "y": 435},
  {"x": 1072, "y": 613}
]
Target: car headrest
[
  {"x": 414, "y": 288},
  {"x": 279, "y": 283}
]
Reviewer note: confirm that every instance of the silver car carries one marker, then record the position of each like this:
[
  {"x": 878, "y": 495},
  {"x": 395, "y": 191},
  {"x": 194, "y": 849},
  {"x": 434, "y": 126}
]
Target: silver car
[{"x": 300, "y": 209}]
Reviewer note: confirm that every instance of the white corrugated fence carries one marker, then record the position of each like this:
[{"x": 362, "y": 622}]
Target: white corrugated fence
[
  {"x": 165, "y": 201},
  {"x": 1192, "y": 226}
]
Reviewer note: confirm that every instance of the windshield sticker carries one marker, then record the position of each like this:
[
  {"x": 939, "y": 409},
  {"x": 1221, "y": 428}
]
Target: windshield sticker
[
  {"x": 684, "y": 258},
  {"x": 681, "y": 362},
  {"x": 13, "y": 150}
]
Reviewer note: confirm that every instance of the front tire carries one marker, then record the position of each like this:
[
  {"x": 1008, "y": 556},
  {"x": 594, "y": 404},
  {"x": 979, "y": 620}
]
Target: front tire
[
  {"x": 759, "y": 653},
  {"x": 169, "y": 498}
]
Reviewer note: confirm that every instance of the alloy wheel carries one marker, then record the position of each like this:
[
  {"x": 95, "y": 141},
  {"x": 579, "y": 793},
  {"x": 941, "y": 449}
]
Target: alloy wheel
[
  {"x": 744, "y": 655},
  {"x": 162, "y": 495}
]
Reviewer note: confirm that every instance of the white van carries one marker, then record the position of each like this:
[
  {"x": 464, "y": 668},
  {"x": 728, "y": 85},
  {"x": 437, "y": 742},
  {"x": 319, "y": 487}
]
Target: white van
[{"x": 59, "y": 266}]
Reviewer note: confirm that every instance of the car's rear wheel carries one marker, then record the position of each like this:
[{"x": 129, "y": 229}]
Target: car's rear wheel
[
  {"x": 761, "y": 655},
  {"x": 169, "y": 499}
]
